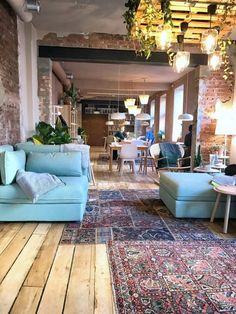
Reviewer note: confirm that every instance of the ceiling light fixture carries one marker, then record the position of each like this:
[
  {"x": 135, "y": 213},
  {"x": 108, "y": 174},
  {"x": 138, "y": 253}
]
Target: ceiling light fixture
[
  {"x": 118, "y": 115},
  {"x": 144, "y": 97},
  {"x": 163, "y": 36},
  {"x": 210, "y": 36},
  {"x": 215, "y": 61},
  {"x": 182, "y": 58},
  {"x": 143, "y": 116}
]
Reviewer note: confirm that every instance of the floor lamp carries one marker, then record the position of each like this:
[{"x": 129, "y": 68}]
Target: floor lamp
[{"x": 225, "y": 125}]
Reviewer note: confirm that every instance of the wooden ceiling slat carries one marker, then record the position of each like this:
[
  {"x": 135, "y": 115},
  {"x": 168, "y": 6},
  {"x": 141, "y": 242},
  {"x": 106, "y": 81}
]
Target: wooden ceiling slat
[{"x": 195, "y": 13}]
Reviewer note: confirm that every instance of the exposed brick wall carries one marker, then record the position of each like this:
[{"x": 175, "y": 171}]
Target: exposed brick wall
[
  {"x": 211, "y": 86},
  {"x": 9, "y": 80},
  {"x": 99, "y": 40},
  {"x": 45, "y": 89}
]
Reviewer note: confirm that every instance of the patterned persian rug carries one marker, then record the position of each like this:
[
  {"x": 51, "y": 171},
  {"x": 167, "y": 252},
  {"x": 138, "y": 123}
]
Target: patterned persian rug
[
  {"x": 122, "y": 215},
  {"x": 174, "y": 277}
]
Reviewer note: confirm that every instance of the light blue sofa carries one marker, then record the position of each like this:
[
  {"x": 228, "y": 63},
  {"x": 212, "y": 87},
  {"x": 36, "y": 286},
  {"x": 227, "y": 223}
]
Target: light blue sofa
[
  {"x": 190, "y": 195},
  {"x": 64, "y": 203}
]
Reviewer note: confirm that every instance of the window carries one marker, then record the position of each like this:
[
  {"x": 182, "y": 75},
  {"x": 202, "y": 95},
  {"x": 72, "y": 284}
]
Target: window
[
  {"x": 178, "y": 109},
  {"x": 162, "y": 113},
  {"x": 152, "y": 113}
]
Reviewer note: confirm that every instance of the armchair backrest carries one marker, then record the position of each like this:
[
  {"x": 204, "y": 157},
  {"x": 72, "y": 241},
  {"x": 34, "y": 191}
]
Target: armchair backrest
[{"x": 172, "y": 152}]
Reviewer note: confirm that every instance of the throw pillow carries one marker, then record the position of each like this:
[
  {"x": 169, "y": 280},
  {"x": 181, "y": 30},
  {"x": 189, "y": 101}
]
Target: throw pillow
[
  {"x": 59, "y": 164},
  {"x": 230, "y": 170},
  {"x": 10, "y": 162},
  {"x": 35, "y": 185}
]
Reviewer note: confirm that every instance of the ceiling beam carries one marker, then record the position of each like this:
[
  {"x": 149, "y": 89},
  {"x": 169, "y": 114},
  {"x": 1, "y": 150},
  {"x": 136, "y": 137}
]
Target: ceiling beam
[{"x": 111, "y": 56}]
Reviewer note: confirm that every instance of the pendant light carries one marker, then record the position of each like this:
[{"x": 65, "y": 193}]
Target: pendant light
[
  {"x": 143, "y": 116},
  {"x": 118, "y": 115},
  {"x": 182, "y": 58},
  {"x": 163, "y": 36},
  {"x": 214, "y": 61},
  {"x": 164, "y": 31},
  {"x": 186, "y": 116},
  {"x": 144, "y": 97},
  {"x": 210, "y": 36}
]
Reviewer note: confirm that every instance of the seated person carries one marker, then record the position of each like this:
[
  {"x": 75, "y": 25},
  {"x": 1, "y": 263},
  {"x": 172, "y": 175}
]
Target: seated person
[
  {"x": 121, "y": 134},
  {"x": 188, "y": 141},
  {"x": 149, "y": 137}
]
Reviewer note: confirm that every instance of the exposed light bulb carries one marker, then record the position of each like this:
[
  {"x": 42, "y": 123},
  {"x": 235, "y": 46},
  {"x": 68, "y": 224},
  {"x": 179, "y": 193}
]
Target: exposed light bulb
[
  {"x": 209, "y": 41},
  {"x": 181, "y": 61},
  {"x": 214, "y": 61},
  {"x": 164, "y": 36}
]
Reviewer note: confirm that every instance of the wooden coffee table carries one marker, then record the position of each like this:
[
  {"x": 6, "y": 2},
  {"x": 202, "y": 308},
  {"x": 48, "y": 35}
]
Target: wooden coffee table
[{"x": 228, "y": 190}]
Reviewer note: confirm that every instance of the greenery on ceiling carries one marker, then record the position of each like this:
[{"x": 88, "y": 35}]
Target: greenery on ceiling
[{"x": 143, "y": 33}]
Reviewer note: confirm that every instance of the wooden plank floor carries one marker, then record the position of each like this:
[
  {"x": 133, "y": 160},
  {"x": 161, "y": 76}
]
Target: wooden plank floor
[{"x": 37, "y": 275}]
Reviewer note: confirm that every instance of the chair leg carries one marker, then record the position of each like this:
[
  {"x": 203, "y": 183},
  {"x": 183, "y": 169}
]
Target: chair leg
[
  {"x": 134, "y": 168},
  {"x": 121, "y": 166}
]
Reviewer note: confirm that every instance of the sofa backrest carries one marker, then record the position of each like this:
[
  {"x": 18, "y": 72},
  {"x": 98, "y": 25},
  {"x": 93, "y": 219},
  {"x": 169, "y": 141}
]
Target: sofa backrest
[{"x": 84, "y": 149}]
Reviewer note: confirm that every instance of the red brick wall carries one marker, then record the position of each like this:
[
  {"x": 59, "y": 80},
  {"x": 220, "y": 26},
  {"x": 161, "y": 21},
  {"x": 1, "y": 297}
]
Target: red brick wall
[
  {"x": 211, "y": 86},
  {"x": 9, "y": 80}
]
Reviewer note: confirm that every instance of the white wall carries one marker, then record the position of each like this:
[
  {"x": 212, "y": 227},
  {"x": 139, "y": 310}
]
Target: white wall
[{"x": 28, "y": 78}]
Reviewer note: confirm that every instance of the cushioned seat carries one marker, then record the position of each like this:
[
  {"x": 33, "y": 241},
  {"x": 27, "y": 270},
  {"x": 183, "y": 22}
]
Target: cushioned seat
[
  {"x": 190, "y": 195},
  {"x": 72, "y": 192}
]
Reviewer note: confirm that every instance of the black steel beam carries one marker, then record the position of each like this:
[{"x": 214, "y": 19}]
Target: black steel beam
[{"x": 111, "y": 56}]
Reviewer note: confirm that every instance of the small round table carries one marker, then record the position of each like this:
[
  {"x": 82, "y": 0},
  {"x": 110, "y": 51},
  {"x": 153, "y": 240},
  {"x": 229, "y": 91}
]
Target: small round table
[{"x": 228, "y": 190}]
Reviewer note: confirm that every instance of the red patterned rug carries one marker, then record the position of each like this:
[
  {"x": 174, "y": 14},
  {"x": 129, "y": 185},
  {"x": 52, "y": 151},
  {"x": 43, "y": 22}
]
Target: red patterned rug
[{"x": 174, "y": 276}]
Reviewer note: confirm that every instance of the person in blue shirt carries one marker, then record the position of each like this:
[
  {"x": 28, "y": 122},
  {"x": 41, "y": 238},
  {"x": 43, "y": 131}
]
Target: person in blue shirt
[{"x": 149, "y": 137}]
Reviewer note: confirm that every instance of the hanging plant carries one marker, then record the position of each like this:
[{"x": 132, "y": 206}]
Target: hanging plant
[
  {"x": 224, "y": 46},
  {"x": 142, "y": 28},
  {"x": 129, "y": 14}
]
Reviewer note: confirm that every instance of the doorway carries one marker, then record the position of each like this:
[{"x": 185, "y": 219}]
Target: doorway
[{"x": 95, "y": 128}]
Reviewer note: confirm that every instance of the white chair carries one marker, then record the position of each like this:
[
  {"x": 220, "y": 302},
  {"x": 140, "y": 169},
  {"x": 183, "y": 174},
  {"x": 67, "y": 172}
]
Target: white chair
[{"x": 128, "y": 153}]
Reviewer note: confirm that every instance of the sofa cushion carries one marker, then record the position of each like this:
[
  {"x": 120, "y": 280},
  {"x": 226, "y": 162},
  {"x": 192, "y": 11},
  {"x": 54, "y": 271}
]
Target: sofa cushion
[
  {"x": 4, "y": 148},
  {"x": 31, "y": 147},
  {"x": 74, "y": 191},
  {"x": 34, "y": 185},
  {"x": 10, "y": 162},
  {"x": 59, "y": 164},
  {"x": 188, "y": 186}
]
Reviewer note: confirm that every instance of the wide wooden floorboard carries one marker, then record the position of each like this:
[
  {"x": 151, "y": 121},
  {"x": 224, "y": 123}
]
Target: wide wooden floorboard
[
  {"x": 39, "y": 275},
  {"x": 80, "y": 295}
]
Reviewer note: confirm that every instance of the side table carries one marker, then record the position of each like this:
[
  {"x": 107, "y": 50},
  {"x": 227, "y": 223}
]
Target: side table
[
  {"x": 228, "y": 190},
  {"x": 206, "y": 169}
]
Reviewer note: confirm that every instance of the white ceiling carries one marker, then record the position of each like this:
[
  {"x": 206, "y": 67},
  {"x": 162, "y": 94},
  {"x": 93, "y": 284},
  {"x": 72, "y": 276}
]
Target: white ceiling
[
  {"x": 100, "y": 80},
  {"x": 96, "y": 80},
  {"x": 81, "y": 16}
]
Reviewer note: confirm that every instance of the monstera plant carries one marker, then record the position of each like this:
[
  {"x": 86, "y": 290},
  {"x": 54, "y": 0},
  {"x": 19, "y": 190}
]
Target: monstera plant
[{"x": 47, "y": 134}]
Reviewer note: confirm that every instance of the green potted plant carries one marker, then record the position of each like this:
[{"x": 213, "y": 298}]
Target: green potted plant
[
  {"x": 47, "y": 134},
  {"x": 71, "y": 96}
]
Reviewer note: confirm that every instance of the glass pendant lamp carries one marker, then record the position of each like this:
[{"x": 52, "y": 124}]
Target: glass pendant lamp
[
  {"x": 182, "y": 58},
  {"x": 215, "y": 61},
  {"x": 210, "y": 36},
  {"x": 181, "y": 61},
  {"x": 163, "y": 36}
]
